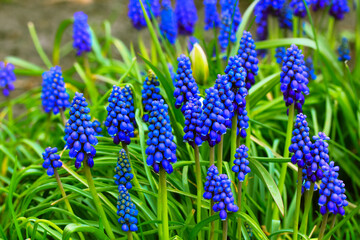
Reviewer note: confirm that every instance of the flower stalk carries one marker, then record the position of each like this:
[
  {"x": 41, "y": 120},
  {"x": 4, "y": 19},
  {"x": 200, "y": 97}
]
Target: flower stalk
[
  {"x": 323, "y": 226},
  {"x": 239, "y": 201},
  {"x": 220, "y": 154},
  {"x": 308, "y": 202},
  {"x": 199, "y": 186},
  {"x": 233, "y": 138},
  {"x": 165, "y": 220},
  {"x": 297, "y": 207}
]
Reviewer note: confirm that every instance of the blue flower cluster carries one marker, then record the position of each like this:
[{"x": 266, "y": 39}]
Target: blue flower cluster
[
  {"x": 286, "y": 17},
  {"x": 7, "y": 77},
  {"x": 97, "y": 127},
  {"x": 79, "y": 134},
  {"x": 150, "y": 92},
  {"x": 127, "y": 95},
  {"x": 241, "y": 163},
  {"x": 320, "y": 4},
  {"x": 280, "y": 53},
  {"x": 161, "y": 147},
  {"x": 53, "y": 95},
  {"x": 192, "y": 114},
  {"x": 136, "y": 14},
  {"x": 185, "y": 86},
  {"x": 127, "y": 211},
  {"x": 186, "y": 16},
  {"x": 210, "y": 183},
  {"x": 332, "y": 192},
  {"x": 51, "y": 160},
  {"x": 310, "y": 68},
  {"x": 123, "y": 173},
  {"x": 338, "y": 9},
  {"x": 228, "y": 5},
  {"x": 294, "y": 78},
  {"x": 223, "y": 197},
  {"x": 168, "y": 25},
  {"x": 299, "y": 7},
  {"x": 81, "y": 33},
  {"x": 242, "y": 120},
  {"x": 230, "y": 22},
  {"x": 227, "y": 97},
  {"x": 118, "y": 120},
  {"x": 344, "y": 50},
  {"x": 212, "y": 18}
]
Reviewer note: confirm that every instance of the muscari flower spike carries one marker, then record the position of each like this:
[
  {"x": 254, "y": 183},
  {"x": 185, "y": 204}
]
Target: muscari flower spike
[
  {"x": 212, "y": 18},
  {"x": 332, "y": 192},
  {"x": 161, "y": 148},
  {"x": 51, "y": 160},
  {"x": 150, "y": 92},
  {"x": 7, "y": 77},
  {"x": 136, "y": 14},
  {"x": 185, "y": 86},
  {"x": 228, "y": 5},
  {"x": 118, "y": 121},
  {"x": 79, "y": 134},
  {"x": 338, "y": 9},
  {"x": 226, "y": 31},
  {"x": 280, "y": 53},
  {"x": 320, "y": 4},
  {"x": 81, "y": 33},
  {"x": 192, "y": 114},
  {"x": 241, "y": 163},
  {"x": 127, "y": 211},
  {"x": 168, "y": 25},
  {"x": 299, "y": 7},
  {"x": 310, "y": 68},
  {"x": 127, "y": 95},
  {"x": 227, "y": 97},
  {"x": 186, "y": 14},
  {"x": 223, "y": 197},
  {"x": 53, "y": 95},
  {"x": 242, "y": 121},
  {"x": 344, "y": 50},
  {"x": 286, "y": 17},
  {"x": 96, "y": 125},
  {"x": 123, "y": 173},
  {"x": 294, "y": 78},
  {"x": 210, "y": 183}
]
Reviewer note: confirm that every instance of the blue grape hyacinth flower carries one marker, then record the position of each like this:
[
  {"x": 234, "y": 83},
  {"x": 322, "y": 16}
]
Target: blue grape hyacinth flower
[
  {"x": 118, "y": 121},
  {"x": 223, "y": 197},
  {"x": 127, "y": 95},
  {"x": 150, "y": 93},
  {"x": 299, "y": 7},
  {"x": 79, "y": 134},
  {"x": 241, "y": 162},
  {"x": 286, "y": 17},
  {"x": 228, "y": 5},
  {"x": 7, "y": 78},
  {"x": 186, "y": 14},
  {"x": 310, "y": 68},
  {"x": 53, "y": 94},
  {"x": 51, "y": 160},
  {"x": 161, "y": 150},
  {"x": 280, "y": 53},
  {"x": 192, "y": 114},
  {"x": 227, "y": 97},
  {"x": 338, "y": 9},
  {"x": 81, "y": 33},
  {"x": 168, "y": 24},
  {"x": 96, "y": 125},
  {"x": 126, "y": 210},
  {"x": 225, "y": 31},
  {"x": 344, "y": 50},
  {"x": 210, "y": 183},
  {"x": 136, "y": 13},
  {"x": 332, "y": 192},
  {"x": 123, "y": 173},
  {"x": 212, "y": 18},
  {"x": 294, "y": 78},
  {"x": 320, "y": 4},
  {"x": 242, "y": 121}
]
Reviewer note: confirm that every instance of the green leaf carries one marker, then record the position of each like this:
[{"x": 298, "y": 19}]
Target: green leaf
[
  {"x": 287, "y": 231},
  {"x": 58, "y": 37},
  {"x": 38, "y": 46},
  {"x": 93, "y": 93},
  {"x": 75, "y": 227}
]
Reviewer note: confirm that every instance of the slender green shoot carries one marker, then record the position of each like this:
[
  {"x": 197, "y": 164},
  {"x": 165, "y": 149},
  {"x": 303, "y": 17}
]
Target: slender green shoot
[{"x": 297, "y": 207}]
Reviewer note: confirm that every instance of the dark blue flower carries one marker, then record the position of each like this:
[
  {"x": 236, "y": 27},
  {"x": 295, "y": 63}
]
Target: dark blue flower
[
  {"x": 338, "y": 9},
  {"x": 168, "y": 25},
  {"x": 344, "y": 50},
  {"x": 320, "y": 4},
  {"x": 185, "y": 86},
  {"x": 242, "y": 120},
  {"x": 227, "y": 97},
  {"x": 241, "y": 163},
  {"x": 294, "y": 78},
  {"x": 150, "y": 92},
  {"x": 212, "y": 18},
  {"x": 286, "y": 17},
  {"x": 96, "y": 125},
  {"x": 186, "y": 14},
  {"x": 332, "y": 191},
  {"x": 7, "y": 77},
  {"x": 210, "y": 183},
  {"x": 127, "y": 211},
  {"x": 192, "y": 114},
  {"x": 118, "y": 121},
  {"x": 310, "y": 68},
  {"x": 161, "y": 148},
  {"x": 299, "y": 7},
  {"x": 79, "y": 134},
  {"x": 127, "y": 95},
  {"x": 81, "y": 33},
  {"x": 223, "y": 197},
  {"x": 123, "y": 173},
  {"x": 228, "y": 5},
  {"x": 280, "y": 53},
  {"x": 191, "y": 42},
  {"x": 53, "y": 95},
  {"x": 51, "y": 160},
  {"x": 136, "y": 14},
  {"x": 230, "y": 22},
  {"x": 155, "y": 7}
]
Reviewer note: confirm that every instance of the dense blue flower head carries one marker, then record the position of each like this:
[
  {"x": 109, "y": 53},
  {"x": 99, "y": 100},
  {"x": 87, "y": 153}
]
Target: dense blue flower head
[
  {"x": 127, "y": 95},
  {"x": 338, "y": 9},
  {"x": 228, "y": 5},
  {"x": 118, "y": 121},
  {"x": 53, "y": 95},
  {"x": 310, "y": 68},
  {"x": 185, "y": 86},
  {"x": 96, "y": 125},
  {"x": 7, "y": 77},
  {"x": 168, "y": 24},
  {"x": 226, "y": 31},
  {"x": 227, "y": 97},
  {"x": 248, "y": 58},
  {"x": 286, "y": 17},
  {"x": 123, "y": 173},
  {"x": 136, "y": 14},
  {"x": 300, "y": 142},
  {"x": 223, "y": 197},
  {"x": 150, "y": 92},
  {"x": 212, "y": 119},
  {"x": 241, "y": 162},
  {"x": 191, "y": 42},
  {"x": 192, "y": 128},
  {"x": 81, "y": 33},
  {"x": 332, "y": 191},
  {"x": 210, "y": 183},
  {"x": 161, "y": 150},
  {"x": 51, "y": 160},
  {"x": 127, "y": 211},
  {"x": 79, "y": 134},
  {"x": 186, "y": 14},
  {"x": 155, "y": 7},
  {"x": 280, "y": 53},
  {"x": 294, "y": 78},
  {"x": 320, "y": 4},
  {"x": 299, "y": 7},
  {"x": 212, "y": 18},
  {"x": 344, "y": 50},
  {"x": 242, "y": 120}
]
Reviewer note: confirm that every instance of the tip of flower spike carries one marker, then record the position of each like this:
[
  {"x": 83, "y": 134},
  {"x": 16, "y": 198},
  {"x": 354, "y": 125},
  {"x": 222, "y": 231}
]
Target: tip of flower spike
[{"x": 321, "y": 136}]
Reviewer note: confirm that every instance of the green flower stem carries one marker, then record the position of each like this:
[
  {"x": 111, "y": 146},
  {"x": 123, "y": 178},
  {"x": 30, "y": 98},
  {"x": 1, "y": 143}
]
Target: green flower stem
[
  {"x": 97, "y": 201},
  {"x": 165, "y": 220},
  {"x": 129, "y": 235},
  {"x": 239, "y": 201},
  {"x": 87, "y": 67},
  {"x": 308, "y": 202},
  {"x": 330, "y": 32},
  {"x": 212, "y": 156},
  {"x": 332, "y": 224},
  {"x": 297, "y": 207},
  {"x": 286, "y": 155},
  {"x": 63, "y": 118},
  {"x": 10, "y": 112},
  {"x": 233, "y": 139},
  {"x": 212, "y": 228},
  {"x": 295, "y": 26},
  {"x": 248, "y": 130},
  {"x": 220, "y": 154},
  {"x": 159, "y": 212},
  {"x": 199, "y": 186},
  {"x": 225, "y": 229},
  {"x": 323, "y": 226}
]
